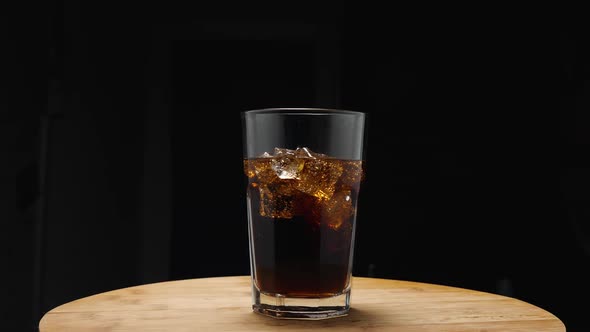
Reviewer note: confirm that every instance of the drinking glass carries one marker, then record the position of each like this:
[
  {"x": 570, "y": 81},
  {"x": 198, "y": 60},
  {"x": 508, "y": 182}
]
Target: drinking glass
[{"x": 304, "y": 168}]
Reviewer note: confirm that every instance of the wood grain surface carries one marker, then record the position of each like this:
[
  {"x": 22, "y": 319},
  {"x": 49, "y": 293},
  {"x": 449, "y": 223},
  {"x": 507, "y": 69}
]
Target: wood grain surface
[{"x": 224, "y": 304}]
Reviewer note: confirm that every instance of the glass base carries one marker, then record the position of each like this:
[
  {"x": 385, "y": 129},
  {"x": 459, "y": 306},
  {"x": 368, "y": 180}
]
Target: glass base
[{"x": 283, "y": 307}]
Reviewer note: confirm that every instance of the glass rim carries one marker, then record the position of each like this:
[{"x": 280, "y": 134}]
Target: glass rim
[{"x": 302, "y": 111}]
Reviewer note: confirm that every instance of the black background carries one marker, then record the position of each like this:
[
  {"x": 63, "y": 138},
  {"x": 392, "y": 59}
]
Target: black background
[{"x": 129, "y": 165}]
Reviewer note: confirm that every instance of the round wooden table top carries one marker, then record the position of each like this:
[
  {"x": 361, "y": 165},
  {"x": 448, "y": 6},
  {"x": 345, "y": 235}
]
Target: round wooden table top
[{"x": 224, "y": 304}]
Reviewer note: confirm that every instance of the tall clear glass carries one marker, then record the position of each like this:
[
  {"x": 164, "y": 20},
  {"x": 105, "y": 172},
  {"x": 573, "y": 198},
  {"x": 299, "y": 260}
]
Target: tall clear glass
[{"x": 304, "y": 168}]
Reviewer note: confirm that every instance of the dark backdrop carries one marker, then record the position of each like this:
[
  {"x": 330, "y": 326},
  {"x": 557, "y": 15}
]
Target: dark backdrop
[{"x": 476, "y": 177}]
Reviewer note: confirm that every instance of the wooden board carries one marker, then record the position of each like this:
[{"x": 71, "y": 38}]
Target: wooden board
[{"x": 224, "y": 304}]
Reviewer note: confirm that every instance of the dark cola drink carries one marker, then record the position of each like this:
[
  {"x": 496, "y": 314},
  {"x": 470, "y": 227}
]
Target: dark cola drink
[{"x": 302, "y": 211}]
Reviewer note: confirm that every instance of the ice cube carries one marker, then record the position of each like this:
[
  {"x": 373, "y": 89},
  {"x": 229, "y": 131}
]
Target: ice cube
[
  {"x": 352, "y": 174},
  {"x": 318, "y": 177},
  {"x": 303, "y": 153},
  {"x": 338, "y": 209},
  {"x": 276, "y": 200},
  {"x": 286, "y": 164},
  {"x": 260, "y": 168}
]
